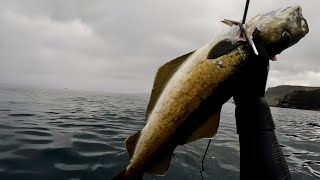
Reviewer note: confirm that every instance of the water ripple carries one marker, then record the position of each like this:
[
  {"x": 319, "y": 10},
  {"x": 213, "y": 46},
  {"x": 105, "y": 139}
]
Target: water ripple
[
  {"x": 71, "y": 167},
  {"x": 33, "y": 132},
  {"x": 21, "y": 115}
]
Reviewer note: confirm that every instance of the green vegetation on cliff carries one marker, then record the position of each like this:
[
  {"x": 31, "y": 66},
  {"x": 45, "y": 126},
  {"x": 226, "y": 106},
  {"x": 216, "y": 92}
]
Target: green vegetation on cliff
[{"x": 300, "y": 97}]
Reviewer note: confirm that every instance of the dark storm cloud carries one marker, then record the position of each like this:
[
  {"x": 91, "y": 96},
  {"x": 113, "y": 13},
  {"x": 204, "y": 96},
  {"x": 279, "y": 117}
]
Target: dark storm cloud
[{"x": 118, "y": 45}]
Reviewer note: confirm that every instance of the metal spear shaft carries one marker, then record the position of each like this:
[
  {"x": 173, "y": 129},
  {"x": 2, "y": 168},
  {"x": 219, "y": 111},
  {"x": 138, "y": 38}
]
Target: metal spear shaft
[{"x": 245, "y": 12}]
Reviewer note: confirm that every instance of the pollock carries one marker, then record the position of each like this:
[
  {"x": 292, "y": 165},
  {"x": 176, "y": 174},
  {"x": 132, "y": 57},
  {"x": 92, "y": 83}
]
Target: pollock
[{"x": 189, "y": 91}]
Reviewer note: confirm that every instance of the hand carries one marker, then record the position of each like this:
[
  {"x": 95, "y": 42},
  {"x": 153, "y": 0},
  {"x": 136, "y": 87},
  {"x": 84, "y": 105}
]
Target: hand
[
  {"x": 252, "y": 77},
  {"x": 252, "y": 111}
]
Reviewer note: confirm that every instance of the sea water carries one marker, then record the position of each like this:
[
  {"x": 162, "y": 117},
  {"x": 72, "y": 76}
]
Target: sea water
[{"x": 64, "y": 134}]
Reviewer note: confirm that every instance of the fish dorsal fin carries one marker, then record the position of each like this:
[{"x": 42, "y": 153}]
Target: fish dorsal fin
[
  {"x": 231, "y": 22},
  {"x": 131, "y": 143},
  {"x": 207, "y": 129},
  {"x": 160, "y": 167},
  {"x": 164, "y": 74}
]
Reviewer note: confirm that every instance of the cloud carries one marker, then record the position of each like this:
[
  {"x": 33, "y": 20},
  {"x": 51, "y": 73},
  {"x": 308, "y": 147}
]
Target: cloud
[
  {"x": 284, "y": 78},
  {"x": 118, "y": 45},
  {"x": 37, "y": 47}
]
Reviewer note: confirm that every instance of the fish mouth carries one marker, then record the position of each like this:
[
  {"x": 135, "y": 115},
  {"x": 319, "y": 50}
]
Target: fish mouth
[
  {"x": 289, "y": 39},
  {"x": 286, "y": 42},
  {"x": 304, "y": 26}
]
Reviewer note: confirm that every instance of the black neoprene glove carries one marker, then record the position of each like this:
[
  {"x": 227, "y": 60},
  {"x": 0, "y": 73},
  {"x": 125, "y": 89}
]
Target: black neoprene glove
[
  {"x": 260, "y": 153},
  {"x": 252, "y": 110}
]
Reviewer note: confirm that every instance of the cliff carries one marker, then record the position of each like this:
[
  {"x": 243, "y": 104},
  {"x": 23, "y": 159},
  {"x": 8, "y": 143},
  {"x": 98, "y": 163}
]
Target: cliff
[{"x": 299, "y": 97}]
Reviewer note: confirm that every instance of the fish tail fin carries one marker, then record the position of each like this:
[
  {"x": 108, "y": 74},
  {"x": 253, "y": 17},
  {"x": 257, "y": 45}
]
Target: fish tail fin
[{"x": 125, "y": 175}]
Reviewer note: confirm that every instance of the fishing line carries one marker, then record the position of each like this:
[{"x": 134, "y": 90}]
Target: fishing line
[{"x": 205, "y": 153}]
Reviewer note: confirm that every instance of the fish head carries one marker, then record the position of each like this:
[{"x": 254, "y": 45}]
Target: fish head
[{"x": 278, "y": 29}]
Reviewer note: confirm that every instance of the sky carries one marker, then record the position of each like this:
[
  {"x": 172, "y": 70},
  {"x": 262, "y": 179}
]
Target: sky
[{"x": 118, "y": 45}]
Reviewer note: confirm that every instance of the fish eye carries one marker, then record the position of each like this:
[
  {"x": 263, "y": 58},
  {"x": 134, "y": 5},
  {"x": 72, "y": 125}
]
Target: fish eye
[{"x": 287, "y": 37}]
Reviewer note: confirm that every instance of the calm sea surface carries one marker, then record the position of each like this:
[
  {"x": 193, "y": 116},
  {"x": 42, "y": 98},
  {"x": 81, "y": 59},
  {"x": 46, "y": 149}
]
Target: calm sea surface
[{"x": 62, "y": 134}]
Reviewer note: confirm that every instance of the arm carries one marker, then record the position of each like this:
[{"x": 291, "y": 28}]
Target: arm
[{"x": 260, "y": 153}]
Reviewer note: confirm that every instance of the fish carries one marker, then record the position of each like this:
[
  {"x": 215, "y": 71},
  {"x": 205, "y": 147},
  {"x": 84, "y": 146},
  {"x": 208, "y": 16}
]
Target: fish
[{"x": 189, "y": 91}]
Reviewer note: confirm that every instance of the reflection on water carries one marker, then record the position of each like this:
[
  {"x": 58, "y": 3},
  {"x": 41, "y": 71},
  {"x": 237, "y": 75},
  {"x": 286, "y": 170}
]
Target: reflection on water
[{"x": 74, "y": 135}]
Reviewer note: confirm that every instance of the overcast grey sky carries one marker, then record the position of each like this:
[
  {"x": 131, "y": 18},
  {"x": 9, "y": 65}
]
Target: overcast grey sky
[{"x": 118, "y": 45}]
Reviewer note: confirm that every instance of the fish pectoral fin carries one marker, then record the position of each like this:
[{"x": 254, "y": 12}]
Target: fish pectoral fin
[
  {"x": 131, "y": 143},
  {"x": 207, "y": 129},
  {"x": 163, "y": 76},
  {"x": 160, "y": 165},
  {"x": 221, "y": 48}
]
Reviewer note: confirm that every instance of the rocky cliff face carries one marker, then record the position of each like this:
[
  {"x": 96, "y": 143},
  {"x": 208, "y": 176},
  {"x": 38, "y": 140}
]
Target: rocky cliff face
[{"x": 299, "y": 97}]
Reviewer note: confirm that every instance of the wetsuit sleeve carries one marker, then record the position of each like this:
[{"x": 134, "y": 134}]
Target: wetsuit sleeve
[{"x": 260, "y": 153}]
